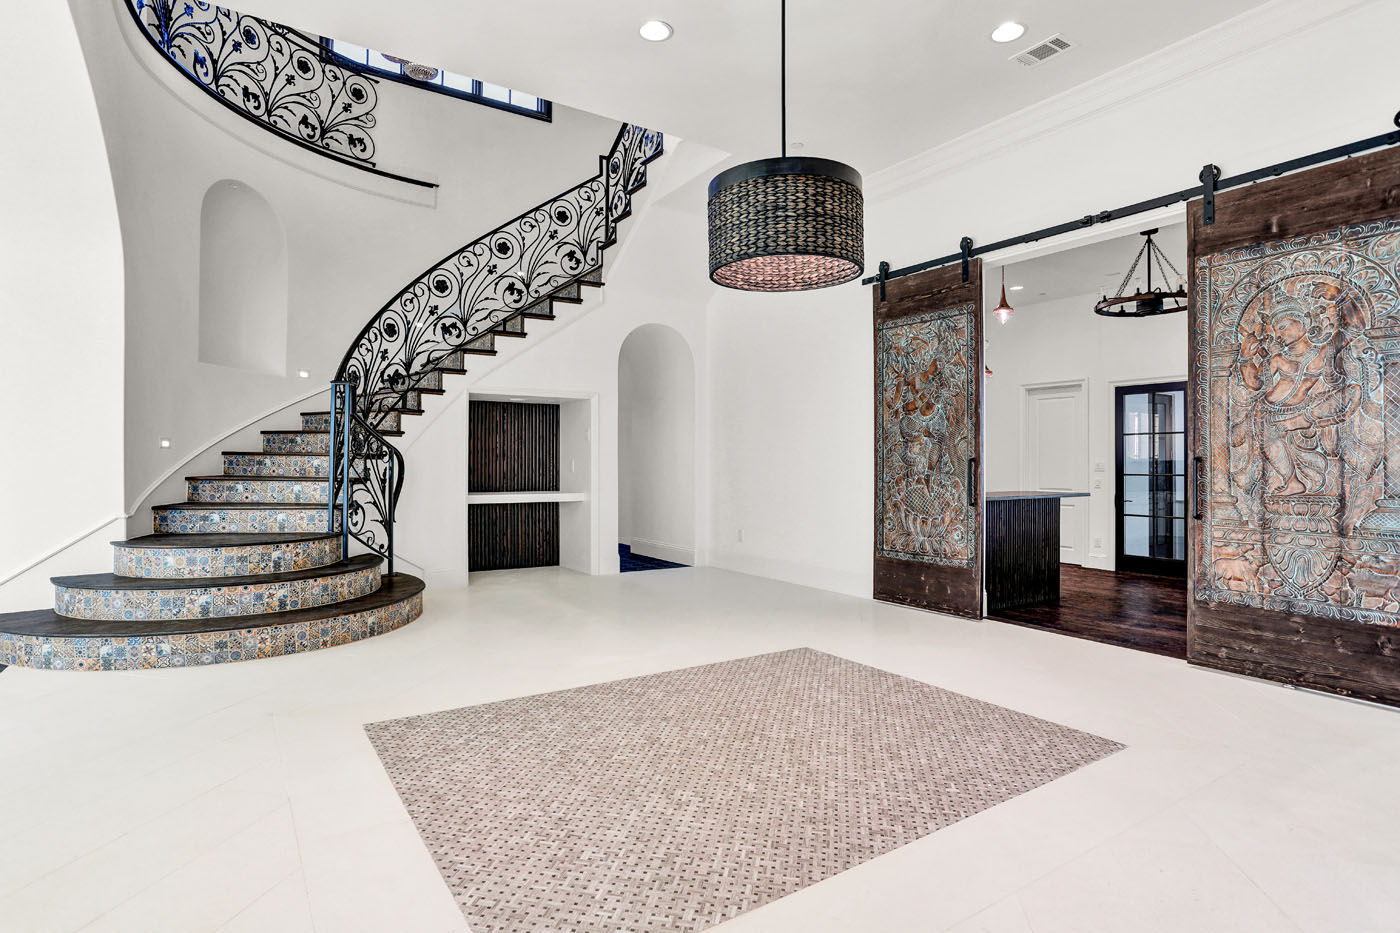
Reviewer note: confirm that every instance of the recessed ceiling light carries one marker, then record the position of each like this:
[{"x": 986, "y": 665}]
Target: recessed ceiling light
[
  {"x": 1008, "y": 32},
  {"x": 303, "y": 374},
  {"x": 1017, "y": 288},
  {"x": 654, "y": 30}
]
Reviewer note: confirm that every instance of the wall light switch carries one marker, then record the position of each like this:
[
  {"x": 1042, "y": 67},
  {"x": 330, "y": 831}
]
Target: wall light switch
[
  {"x": 1098, "y": 466},
  {"x": 1098, "y": 484},
  {"x": 741, "y": 536},
  {"x": 1098, "y": 544}
]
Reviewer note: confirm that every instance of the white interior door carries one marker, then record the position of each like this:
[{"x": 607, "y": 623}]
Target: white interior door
[{"x": 1056, "y": 458}]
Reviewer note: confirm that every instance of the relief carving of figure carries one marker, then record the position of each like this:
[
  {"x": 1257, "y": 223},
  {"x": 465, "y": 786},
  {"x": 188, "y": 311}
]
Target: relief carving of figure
[{"x": 924, "y": 435}]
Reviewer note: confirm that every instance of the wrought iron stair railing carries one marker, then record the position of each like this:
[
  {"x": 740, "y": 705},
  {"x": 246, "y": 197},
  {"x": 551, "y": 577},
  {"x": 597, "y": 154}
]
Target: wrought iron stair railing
[
  {"x": 474, "y": 292},
  {"x": 270, "y": 74}
]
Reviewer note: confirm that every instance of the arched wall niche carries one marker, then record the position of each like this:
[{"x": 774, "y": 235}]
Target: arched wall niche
[
  {"x": 242, "y": 280},
  {"x": 656, "y": 444}
]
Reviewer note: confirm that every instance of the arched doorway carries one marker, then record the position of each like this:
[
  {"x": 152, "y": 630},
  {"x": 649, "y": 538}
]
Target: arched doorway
[{"x": 655, "y": 449}]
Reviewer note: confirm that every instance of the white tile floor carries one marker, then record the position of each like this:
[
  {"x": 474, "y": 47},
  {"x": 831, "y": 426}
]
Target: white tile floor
[{"x": 246, "y": 796}]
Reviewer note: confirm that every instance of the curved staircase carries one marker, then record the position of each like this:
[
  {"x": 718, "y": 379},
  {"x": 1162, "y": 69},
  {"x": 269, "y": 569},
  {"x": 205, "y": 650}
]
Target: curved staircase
[
  {"x": 250, "y": 566},
  {"x": 256, "y": 563}
]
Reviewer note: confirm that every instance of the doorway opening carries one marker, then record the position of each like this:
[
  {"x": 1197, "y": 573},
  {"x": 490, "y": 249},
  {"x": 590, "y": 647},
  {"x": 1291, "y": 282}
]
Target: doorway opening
[
  {"x": 655, "y": 450},
  {"x": 1085, "y": 427}
]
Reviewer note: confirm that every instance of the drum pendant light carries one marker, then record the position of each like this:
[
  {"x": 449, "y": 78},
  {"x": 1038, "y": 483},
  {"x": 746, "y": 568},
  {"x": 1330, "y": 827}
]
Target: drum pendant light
[{"x": 786, "y": 224}]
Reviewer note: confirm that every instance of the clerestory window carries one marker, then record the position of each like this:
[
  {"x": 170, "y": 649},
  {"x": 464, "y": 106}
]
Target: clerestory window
[{"x": 436, "y": 79}]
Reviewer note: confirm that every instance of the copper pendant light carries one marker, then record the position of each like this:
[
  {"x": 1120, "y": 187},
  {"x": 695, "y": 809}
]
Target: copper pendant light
[
  {"x": 1004, "y": 310},
  {"x": 786, "y": 224}
]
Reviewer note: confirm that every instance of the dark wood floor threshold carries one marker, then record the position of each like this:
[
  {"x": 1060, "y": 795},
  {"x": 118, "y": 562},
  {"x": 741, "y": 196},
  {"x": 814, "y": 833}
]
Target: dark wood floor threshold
[{"x": 1130, "y": 610}]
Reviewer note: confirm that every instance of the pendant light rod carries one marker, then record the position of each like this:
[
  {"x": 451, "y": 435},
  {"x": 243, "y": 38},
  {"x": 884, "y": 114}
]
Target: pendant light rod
[{"x": 782, "y": 69}]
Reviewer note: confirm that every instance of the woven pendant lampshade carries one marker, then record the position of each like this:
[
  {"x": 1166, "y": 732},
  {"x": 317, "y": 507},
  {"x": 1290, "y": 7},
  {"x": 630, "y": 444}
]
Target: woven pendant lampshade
[{"x": 786, "y": 224}]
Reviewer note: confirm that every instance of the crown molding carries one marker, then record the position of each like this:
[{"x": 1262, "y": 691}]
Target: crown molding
[{"x": 1205, "y": 51}]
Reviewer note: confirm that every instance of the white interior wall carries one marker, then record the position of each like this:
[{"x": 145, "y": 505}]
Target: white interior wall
[
  {"x": 242, "y": 281},
  {"x": 352, "y": 239},
  {"x": 656, "y": 444},
  {"x": 790, "y": 403},
  {"x": 1062, "y": 341},
  {"x": 61, "y": 303}
]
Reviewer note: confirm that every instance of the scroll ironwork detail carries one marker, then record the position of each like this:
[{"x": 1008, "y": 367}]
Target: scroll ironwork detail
[
  {"x": 472, "y": 292},
  {"x": 267, "y": 72}
]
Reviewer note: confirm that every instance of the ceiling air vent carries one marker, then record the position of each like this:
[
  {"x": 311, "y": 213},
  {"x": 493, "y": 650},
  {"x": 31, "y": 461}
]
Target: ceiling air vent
[{"x": 1041, "y": 51}]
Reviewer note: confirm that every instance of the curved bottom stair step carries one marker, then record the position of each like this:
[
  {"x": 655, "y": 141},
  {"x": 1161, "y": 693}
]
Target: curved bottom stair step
[
  {"x": 108, "y": 597},
  {"x": 44, "y": 639}
]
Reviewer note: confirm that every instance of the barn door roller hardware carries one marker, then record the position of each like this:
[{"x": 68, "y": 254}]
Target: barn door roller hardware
[{"x": 1210, "y": 184}]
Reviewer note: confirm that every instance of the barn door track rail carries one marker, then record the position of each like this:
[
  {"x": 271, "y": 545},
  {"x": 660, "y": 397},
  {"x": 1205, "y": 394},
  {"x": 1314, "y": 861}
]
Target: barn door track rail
[{"x": 1210, "y": 183}]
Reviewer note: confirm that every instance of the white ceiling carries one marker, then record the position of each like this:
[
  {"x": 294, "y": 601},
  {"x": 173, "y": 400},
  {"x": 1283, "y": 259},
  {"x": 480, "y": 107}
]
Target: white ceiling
[
  {"x": 1094, "y": 269},
  {"x": 870, "y": 82}
]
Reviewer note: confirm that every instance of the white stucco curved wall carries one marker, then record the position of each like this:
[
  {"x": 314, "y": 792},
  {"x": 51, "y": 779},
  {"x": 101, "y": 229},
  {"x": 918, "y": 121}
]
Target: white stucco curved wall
[{"x": 60, "y": 311}]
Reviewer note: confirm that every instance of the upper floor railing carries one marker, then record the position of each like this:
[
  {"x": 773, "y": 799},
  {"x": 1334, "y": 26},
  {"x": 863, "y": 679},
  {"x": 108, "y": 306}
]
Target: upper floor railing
[{"x": 270, "y": 74}]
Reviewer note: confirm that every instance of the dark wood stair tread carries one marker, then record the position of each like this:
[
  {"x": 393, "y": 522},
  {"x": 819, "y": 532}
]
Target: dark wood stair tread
[
  {"x": 225, "y": 539},
  {"x": 111, "y": 581},
  {"x": 394, "y": 588},
  {"x": 272, "y": 453}
]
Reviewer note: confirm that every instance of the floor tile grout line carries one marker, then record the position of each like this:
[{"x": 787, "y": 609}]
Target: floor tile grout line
[
  {"x": 132, "y": 829},
  {"x": 205, "y": 851}
]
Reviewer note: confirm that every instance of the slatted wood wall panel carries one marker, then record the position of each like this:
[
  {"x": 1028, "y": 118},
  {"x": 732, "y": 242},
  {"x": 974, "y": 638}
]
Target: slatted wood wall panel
[
  {"x": 512, "y": 447},
  {"x": 1023, "y": 552},
  {"x": 520, "y": 534}
]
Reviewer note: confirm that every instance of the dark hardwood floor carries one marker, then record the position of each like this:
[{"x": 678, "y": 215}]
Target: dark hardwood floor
[{"x": 1128, "y": 609}]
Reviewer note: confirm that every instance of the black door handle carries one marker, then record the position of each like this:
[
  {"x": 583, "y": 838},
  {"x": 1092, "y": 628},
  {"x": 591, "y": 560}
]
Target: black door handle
[
  {"x": 971, "y": 480},
  {"x": 1196, "y": 492}
]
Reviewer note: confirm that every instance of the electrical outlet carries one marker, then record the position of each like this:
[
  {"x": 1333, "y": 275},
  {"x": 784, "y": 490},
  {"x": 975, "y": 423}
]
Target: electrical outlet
[
  {"x": 573, "y": 466},
  {"x": 1098, "y": 544}
]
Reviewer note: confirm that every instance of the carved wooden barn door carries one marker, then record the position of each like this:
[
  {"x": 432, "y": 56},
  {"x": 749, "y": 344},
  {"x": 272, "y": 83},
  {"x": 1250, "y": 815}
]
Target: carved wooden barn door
[
  {"x": 1295, "y": 388},
  {"x": 928, "y": 441}
]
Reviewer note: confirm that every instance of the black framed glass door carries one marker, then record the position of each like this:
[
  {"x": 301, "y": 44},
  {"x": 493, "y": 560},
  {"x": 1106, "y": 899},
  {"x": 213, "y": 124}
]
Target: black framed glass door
[{"x": 1151, "y": 487}]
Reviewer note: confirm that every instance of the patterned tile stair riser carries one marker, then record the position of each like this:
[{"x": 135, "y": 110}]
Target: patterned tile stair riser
[
  {"x": 274, "y": 518},
  {"x": 321, "y": 421},
  {"x": 144, "y": 652},
  {"x": 170, "y": 563},
  {"x": 290, "y": 490},
  {"x": 296, "y": 442},
  {"x": 253, "y": 464},
  {"x": 213, "y": 602}
]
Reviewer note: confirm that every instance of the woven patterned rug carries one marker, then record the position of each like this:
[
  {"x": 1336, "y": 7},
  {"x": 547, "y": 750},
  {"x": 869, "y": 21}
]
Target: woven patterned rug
[{"x": 679, "y": 800}]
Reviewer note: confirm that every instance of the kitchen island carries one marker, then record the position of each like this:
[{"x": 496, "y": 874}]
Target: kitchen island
[{"x": 1023, "y": 547}]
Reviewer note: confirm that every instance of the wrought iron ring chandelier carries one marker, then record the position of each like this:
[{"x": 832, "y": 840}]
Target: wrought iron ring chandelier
[
  {"x": 786, "y": 224},
  {"x": 1150, "y": 301}
]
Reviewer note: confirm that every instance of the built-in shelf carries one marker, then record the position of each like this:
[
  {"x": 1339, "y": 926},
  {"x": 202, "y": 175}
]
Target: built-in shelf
[{"x": 503, "y": 498}]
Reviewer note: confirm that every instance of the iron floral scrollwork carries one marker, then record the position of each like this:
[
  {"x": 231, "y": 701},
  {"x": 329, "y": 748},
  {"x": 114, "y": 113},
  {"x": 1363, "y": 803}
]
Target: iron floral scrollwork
[
  {"x": 268, "y": 72},
  {"x": 470, "y": 293}
]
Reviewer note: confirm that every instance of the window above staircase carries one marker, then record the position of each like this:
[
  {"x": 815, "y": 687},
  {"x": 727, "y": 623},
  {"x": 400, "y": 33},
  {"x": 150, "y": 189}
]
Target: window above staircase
[{"x": 370, "y": 61}]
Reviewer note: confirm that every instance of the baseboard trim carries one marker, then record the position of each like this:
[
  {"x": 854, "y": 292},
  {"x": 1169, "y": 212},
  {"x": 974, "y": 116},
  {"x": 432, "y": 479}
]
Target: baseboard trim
[{"x": 661, "y": 550}]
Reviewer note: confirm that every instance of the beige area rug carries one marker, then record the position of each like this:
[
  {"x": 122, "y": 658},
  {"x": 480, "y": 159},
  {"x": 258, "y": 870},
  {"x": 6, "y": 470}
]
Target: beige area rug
[{"x": 680, "y": 800}]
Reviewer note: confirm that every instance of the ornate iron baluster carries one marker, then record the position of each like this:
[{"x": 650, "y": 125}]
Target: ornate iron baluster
[
  {"x": 468, "y": 294},
  {"x": 270, "y": 74}
]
